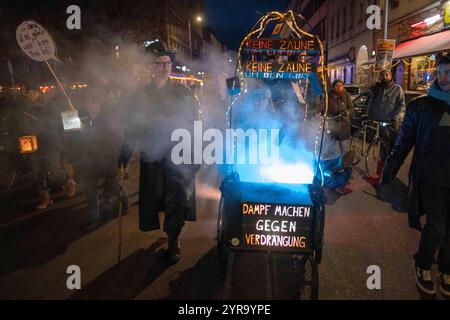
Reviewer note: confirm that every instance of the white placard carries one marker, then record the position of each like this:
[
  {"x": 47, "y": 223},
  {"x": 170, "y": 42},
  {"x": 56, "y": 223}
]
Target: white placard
[
  {"x": 35, "y": 41},
  {"x": 70, "y": 120}
]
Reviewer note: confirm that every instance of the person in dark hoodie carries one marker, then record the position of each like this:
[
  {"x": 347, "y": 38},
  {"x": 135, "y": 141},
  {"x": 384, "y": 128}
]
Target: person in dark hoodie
[{"x": 426, "y": 127}]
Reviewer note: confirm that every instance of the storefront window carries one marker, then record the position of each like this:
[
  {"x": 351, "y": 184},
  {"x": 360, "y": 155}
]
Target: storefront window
[{"x": 422, "y": 73}]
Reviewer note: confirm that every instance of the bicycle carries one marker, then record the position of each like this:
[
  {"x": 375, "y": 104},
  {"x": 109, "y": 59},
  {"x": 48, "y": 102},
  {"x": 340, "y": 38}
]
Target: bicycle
[{"x": 369, "y": 134}]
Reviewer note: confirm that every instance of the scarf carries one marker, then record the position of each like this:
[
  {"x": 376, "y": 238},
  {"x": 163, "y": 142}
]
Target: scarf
[
  {"x": 436, "y": 92},
  {"x": 386, "y": 84}
]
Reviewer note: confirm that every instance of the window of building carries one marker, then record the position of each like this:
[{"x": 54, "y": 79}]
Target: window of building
[
  {"x": 422, "y": 73},
  {"x": 362, "y": 13},
  {"x": 393, "y": 4},
  {"x": 331, "y": 28},
  {"x": 344, "y": 21},
  {"x": 337, "y": 26},
  {"x": 352, "y": 16}
]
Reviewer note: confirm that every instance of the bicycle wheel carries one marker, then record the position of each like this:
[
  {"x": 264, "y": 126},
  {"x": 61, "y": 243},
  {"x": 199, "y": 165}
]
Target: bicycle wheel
[
  {"x": 356, "y": 144},
  {"x": 309, "y": 279},
  {"x": 374, "y": 157}
]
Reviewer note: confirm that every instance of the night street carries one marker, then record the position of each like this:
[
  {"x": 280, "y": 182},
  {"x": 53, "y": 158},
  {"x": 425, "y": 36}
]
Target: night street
[
  {"x": 193, "y": 150},
  {"x": 39, "y": 249}
]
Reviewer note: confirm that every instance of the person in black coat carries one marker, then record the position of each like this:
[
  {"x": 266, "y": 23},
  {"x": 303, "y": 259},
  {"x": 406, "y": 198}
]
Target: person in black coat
[
  {"x": 156, "y": 110},
  {"x": 426, "y": 127}
]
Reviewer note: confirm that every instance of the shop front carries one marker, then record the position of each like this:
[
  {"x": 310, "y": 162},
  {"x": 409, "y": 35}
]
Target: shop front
[{"x": 415, "y": 60}]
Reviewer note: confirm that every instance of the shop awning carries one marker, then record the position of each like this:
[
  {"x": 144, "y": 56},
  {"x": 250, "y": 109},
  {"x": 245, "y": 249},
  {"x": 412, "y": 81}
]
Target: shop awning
[{"x": 423, "y": 45}]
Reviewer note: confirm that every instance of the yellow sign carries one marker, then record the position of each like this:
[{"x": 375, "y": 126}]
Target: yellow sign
[
  {"x": 28, "y": 144},
  {"x": 447, "y": 15},
  {"x": 385, "y": 53}
]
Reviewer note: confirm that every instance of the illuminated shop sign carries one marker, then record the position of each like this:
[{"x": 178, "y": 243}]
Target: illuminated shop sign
[{"x": 275, "y": 226}]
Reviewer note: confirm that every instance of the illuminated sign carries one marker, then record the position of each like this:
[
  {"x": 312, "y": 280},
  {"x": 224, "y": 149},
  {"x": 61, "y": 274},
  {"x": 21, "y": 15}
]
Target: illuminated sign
[
  {"x": 275, "y": 226},
  {"x": 280, "y": 67},
  {"x": 447, "y": 15},
  {"x": 70, "y": 120},
  {"x": 28, "y": 144},
  {"x": 281, "y": 44},
  {"x": 278, "y": 70},
  {"x": 385, "y": 53}
]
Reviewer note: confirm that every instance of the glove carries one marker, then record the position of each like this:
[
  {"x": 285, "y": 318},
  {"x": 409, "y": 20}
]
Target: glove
[{"x": 343, "y": 114}]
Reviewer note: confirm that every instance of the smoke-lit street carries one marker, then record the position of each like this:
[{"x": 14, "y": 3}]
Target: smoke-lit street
[{"x": 193, "y": 150}]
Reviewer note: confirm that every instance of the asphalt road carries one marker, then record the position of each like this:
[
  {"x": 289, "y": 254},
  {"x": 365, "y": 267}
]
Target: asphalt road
[{"x": 361, "y": 230}]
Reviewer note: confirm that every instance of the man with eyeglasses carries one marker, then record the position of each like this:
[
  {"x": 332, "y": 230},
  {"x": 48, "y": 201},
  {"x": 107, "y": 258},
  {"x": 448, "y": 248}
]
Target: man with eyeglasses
[{"x": 156, "y": 110}]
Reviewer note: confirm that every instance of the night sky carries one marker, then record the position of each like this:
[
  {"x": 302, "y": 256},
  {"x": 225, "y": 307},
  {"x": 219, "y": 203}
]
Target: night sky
[{"x": 232, "y": 19}]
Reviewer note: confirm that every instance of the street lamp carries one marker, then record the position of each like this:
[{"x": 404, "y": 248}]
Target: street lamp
[{"x": 199, "y": 19}]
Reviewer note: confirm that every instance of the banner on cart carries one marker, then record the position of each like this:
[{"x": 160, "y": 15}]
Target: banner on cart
[
  {"x": 276, "y": 226},
  {"x": 279, "y": 70},
  {"x": 299, "y": 45}
]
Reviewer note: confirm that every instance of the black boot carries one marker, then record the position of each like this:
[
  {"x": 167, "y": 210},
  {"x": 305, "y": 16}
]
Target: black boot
[{"x": 174, "y": 250}]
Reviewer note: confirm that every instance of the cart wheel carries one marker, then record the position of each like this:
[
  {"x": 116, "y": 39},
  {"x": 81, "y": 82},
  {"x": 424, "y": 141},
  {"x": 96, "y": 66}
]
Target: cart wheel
[
  {"x": 222, "y": 247},
  {"x": 309, "y": 279}
]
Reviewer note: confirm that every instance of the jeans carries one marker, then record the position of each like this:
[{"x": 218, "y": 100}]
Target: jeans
[{"x": 436, "y": 233}]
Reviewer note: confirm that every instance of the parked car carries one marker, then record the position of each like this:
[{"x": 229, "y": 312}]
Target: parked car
[
  {"x": 353, "y": 89},
  {"x": 360, "y": 106}
]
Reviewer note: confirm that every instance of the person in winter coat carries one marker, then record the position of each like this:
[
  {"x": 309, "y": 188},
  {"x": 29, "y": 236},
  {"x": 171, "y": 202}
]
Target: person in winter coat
[
  {"x": 42, "y": 120},
  {"x": 156, "y": 111},
  {"x": 387, "y": 104},
  {"x": 337, "y": 165},
  {"x": 426, "y": 127}
]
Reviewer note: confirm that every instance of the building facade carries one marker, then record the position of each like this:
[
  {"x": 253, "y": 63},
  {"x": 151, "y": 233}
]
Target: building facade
[{"x": 351, "y": 46}]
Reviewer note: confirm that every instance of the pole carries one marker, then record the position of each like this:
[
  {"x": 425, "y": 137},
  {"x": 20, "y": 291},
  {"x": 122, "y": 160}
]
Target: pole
[
  {"x": 386, "y": 9},
  {"x": 60, "y": 86},
  {"x": 120, "y": 213},
  {"x": 190, "y": 37}
]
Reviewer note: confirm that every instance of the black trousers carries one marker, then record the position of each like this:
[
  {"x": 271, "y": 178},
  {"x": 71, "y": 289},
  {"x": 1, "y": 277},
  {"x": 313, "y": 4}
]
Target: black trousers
[
  {"x": 436, "y": 233},
  {"x": 45, "y": 168}
]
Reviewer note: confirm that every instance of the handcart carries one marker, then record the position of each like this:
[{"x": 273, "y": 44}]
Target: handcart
[{"x": 284, "y": 217}]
